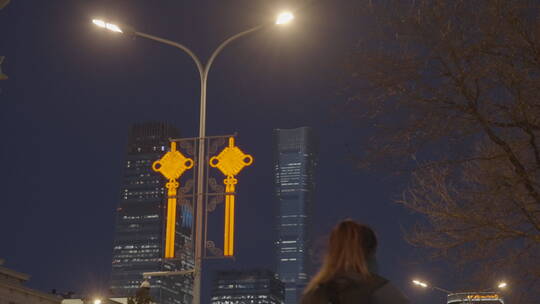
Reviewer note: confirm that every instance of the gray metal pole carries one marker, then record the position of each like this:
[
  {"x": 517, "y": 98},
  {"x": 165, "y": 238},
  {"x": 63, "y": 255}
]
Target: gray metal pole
[
  {"x": 446, "y": 291},
  {"x": 200, "y": 167},
  {"x": 203, "y": 72},
  {"x": 200, "y": 194}
]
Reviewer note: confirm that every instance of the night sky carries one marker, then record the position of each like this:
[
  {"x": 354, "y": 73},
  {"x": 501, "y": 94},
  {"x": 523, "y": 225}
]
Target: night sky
[{"x": 74, "y": 90}]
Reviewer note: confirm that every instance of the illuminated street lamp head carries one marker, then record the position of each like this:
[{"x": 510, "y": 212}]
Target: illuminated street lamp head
[
  {"x": 110, "y": 26},
  {"x": 420, "y": 283},
  {"x": 99, "y": 23},
  {"x": 284, "y": 18},
  {"x": 502, "y": 285},
  {"x": 97, "y": 301}
]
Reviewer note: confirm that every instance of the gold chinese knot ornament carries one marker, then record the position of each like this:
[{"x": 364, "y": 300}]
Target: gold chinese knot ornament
[
  {"x": 172, "y": 165},
  {"x": 230, "y": 161}
]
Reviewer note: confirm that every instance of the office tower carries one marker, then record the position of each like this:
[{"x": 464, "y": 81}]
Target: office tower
[
  {"x": 139, "y": 232},
  {"x": 294, "y": 172},
  {"x": 247, "y": 287}
]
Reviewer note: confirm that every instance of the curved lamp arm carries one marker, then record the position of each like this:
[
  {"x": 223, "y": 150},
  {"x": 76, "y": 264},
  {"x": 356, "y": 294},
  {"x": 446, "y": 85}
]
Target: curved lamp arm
[
  {"x": 446, "y": 291},
  {"x": 225, "y": 43},
  {"x": 203, "y": 69},
  {"x": 196, "y": 59},
  {"x": 204, "y": 80}
]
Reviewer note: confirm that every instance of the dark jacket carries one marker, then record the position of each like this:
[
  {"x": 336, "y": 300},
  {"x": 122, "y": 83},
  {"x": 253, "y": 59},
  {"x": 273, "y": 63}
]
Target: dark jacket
[{"x": 353, "y": 289}]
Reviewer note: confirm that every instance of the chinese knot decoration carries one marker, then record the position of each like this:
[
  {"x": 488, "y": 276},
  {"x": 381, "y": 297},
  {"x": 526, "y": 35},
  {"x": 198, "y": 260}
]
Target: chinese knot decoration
[
  {"x": 172, "y": 165},
  {"x": 230, "y": 161}
]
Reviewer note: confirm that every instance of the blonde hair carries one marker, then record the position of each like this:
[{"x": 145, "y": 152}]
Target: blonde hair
[{"x": 350, "y": 245}]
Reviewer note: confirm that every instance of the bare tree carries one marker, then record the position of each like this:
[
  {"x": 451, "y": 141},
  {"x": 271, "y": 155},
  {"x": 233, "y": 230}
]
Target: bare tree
[
  {"x": 3, "y": 3},
  {"x": 3, "y": 76},
  {"x": 453, "y": 89}
]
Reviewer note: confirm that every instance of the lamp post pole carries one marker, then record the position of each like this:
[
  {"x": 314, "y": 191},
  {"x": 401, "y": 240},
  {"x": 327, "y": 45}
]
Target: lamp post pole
[
  {"x": 426, "y": 285},
  {"x": 203, "y": 70},
  {"x": 199, "y": 207}
]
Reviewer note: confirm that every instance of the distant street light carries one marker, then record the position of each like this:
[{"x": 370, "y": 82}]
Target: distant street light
[
  {"x": 97, "y": 301},
  {"x": 419, "y": 283},
  {"x": 426, "y": 285},
  {"x": 500, "y": 285},
  {"x": 203, "y": 69}
]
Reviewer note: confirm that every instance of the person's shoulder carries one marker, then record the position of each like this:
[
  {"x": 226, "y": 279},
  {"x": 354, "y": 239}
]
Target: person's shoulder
[
  {"x": 370, "y": 284},
  {"x": 378, "y": 281},
  {"x": 388, "y": 294},
  {"x": 315, "y": 296}
]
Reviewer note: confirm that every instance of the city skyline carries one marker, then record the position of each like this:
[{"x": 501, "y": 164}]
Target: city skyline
[
  {"x": 73, "y": 91},
  {"x": 139, "y": 231}
]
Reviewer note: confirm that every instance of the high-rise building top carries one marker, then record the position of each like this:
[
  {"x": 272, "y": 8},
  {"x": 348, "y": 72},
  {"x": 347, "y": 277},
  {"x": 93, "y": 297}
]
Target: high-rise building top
[
  {"x": 150, "y": 137},
  {"x": 294, "y": 177},
  {"x": 139, "y": 242},
  {"x": 247, "y": 287}
]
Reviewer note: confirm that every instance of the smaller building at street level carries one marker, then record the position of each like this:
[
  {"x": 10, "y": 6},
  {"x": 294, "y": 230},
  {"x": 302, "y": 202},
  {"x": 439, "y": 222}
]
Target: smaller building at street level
[
  {"x": 96, "y": 301},
  {"x": 475, "y": 298},
  {"x": 247, "y": 287},
  {"x": 13, "y": 291}
]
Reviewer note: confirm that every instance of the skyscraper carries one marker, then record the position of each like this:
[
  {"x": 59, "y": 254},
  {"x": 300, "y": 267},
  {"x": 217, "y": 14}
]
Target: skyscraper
[
  {"x": 294, "y": 172},
  {"x": 139, "y": 243},
  {"x": 247, "y": 287}
]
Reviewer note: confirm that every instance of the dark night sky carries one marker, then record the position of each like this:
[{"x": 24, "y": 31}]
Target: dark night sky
[{"x": 74, "y": 90}]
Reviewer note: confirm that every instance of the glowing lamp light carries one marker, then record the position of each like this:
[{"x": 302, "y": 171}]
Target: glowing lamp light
[
  {"x": 114, "y": 28},
  {"x": 420, "y": 283},
  {"x": 284, "y": 18},
  {"x": 110, "y": 26},
  {"x": 99, "y": 23},
  {"x": 502, "y": 285},
  {"x": 97, "y": 301}
]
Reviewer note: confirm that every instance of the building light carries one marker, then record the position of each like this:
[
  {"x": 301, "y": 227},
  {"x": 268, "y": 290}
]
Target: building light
[{"x": 483, "y": 297}]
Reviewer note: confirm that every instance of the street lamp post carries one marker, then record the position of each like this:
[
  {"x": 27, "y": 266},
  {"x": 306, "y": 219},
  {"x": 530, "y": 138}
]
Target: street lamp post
[
  {"x": 501, "y": 285},
  {"x": 426, "y": 285},
  {"x": 203, "y": 70}
]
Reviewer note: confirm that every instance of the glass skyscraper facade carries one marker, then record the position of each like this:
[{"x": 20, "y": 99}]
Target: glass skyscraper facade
[
  {"x": 139, "y": 232},
  {"x": 294, "y": 173},
  {"x": 247, "y": 287}
]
